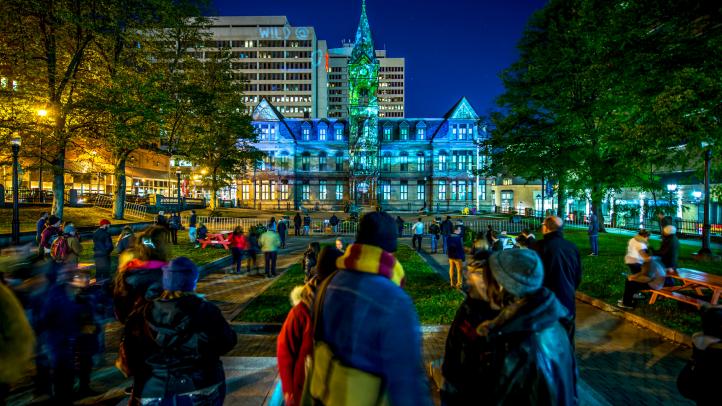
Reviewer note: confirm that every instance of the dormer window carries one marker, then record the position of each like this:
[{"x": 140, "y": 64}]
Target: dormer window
[
  {"x": 421, "y": 131},
  {"x": 338, "y": 132},
  {"x": 404, "y": 133},
  {"x": 322, "y": 133},
  {"x": 387, "y": 133},
  {"x": 306, "y": 132}
]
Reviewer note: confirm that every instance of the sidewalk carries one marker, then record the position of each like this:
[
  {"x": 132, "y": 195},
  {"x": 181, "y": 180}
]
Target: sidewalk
[{"x": 619, "y": 363}]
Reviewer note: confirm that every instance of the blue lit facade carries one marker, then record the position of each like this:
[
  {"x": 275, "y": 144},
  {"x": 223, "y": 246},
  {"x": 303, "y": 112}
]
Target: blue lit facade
[{"x": 421, "y": 161}]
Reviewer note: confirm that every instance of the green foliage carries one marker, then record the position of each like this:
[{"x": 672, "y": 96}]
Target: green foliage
[{"x": 274, "y": 303}]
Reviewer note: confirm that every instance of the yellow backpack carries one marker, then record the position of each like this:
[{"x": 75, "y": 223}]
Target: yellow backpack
[{"x": 331, "y": 383}]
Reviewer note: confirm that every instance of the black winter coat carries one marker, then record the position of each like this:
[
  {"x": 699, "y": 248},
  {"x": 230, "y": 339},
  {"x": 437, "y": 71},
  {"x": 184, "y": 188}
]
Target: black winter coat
[
  {"x": 466, "y": 357},
  {"x": 669, "y": 251},
  {"x": 102, "y": 243},
  {"x": 562, "y": 268},
  {"x": 447, "y": 227},
  {"x": 140, "y": 282},
  {"x": 174, "y": 346},
  {"x": 529, "y": 359},
  {"x": 455, "y": 247}
]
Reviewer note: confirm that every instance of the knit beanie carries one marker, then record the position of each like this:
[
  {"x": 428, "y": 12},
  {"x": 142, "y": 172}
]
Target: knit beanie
[
  {"x": 377, "y": 229},
  {"x": 181, "y": 274},
  {"x": 69, "y": 229},
  {"x": 519, "y": 271}
]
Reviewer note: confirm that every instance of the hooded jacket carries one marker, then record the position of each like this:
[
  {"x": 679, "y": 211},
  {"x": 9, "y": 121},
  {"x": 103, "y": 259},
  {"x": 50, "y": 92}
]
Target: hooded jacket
[
  {"x": 178, "y": 347},
  {"x": 635, "y": 245},
  {"x": 137, "y": 282},
  {"x": 528, "y": 358},
  {"x": 669, "y": 251},
  {"x": 295, "y": 343}
]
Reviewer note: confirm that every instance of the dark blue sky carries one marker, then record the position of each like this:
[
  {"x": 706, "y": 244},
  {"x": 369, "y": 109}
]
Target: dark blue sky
[{"x": 453, "y": 48}]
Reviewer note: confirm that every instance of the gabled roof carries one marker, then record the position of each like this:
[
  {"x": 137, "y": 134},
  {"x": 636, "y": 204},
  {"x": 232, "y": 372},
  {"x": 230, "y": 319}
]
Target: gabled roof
[
  {"x": 265, "y": 111},
  {"x": 462, "y": 110},
  {"x": 364, "y": 44}
]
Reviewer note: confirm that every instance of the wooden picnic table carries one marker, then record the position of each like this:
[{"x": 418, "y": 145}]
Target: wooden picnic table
[
  {"x": 216, "y": 238},
  {"x": 691, "y": 280}
]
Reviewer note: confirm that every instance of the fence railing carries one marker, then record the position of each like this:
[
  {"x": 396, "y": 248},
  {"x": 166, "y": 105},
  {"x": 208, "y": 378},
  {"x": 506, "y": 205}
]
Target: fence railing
[{"x": 131, "y": 209}]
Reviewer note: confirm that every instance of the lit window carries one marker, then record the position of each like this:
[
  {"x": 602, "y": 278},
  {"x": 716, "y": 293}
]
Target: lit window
[
  {"x": 421, "y": 190},
  {"x": 322, "y": 134},
  {"x": 442, "y": 190},
  {"x": 404, "y": 133},
  {"x": 386, "y": 163},
  {"x": 322, "y": 190},
  {"x": 386, "y": 190},
  {"x": 339, "y": 133},
  {"x": 404, "y": 190},
  {"x": 305, "y": 191},
  {"x": 420, "y": 162},
  {"x": 246, "y": 191},
  {"x": 403, "y": 162},
  {"x": 339, "y": 190},
  {"x": 387, "y": 134},
  {"x": 284, "y": 190},
  {"x": 306, "y": 132},
  {"x": 421, "y": 133},
  {"x": 442, "y": 162},
  {"x": 506, "y": 182},
  {"x": 306, "y": 161}
]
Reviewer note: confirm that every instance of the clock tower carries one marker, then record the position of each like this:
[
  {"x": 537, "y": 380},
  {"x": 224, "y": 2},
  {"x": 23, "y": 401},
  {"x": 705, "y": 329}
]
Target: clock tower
[{"x": 363, "y": 77}]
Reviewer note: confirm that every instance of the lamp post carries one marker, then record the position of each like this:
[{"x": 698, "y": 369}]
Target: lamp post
[
  {"x": 705, "y": 251},
  {"x": 16, "y": 212},
  {"x": 177, "y": 174}
]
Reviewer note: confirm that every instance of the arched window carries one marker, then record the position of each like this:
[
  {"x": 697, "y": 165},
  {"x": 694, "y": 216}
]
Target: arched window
[
  {"x": 322, "y": 131},
  {"x": 306, "y": 161},
  {"x": 386, "y": 162},
  {"x": 403, "y": 162},
  {"x": 443, "y": 160},
  {"x": 339, "y": 161}
]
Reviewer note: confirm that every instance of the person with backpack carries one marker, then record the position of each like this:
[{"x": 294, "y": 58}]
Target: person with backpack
[
  {"x": 309, "y": 259},
  {"x": 173, "y": 344},
  {"x": 295, "y": 341},
  {"x": 48, "y": 236},
  {"x": 66, "y": 249},
  {"x": 173, "y": 226},
  {"x": 102, "y": 248},
  {"x": 364, "y": 300},
  {"x": 40, "y": 226},
  {"x": 126, "y": 240}
]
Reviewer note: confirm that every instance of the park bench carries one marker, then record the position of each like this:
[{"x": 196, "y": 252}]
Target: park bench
[{"x": 692, "y": 280}]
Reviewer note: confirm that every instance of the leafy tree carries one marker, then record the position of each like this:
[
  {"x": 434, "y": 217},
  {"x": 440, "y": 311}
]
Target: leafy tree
[{"x": 223, "y": 131}]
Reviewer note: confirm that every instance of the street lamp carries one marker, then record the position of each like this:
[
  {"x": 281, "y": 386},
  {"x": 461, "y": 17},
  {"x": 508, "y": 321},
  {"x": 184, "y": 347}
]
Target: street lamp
[
  {"x": 16, "y": 213},
  {"x": 697, "y": 195},
  {"x": 177, "y": 174}
]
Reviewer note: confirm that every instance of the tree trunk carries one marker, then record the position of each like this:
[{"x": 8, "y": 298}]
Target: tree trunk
[
  {"x": 59, "y": 183},
  {"x": 119, "y": 192},
  {"x": 561, "y": 200},
  {"x": 213, "y": 204}
]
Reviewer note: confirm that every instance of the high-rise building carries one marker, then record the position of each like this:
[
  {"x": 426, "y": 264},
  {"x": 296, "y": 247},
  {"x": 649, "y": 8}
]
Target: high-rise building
[
  {"x": 391, "y": 83},
  {"x": 283, "y": 64}
]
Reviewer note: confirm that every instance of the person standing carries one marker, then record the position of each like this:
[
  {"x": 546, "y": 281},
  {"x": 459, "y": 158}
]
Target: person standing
[
  {"x": 161, "y": 220},
  {"x": 434, "y": 232},
  {"x": 637, "y": 249},
  {"x": 364, "y": 300},
  {"x": 307, "y": 224},
  {"x": 309, "y": 259},
  {"x": 192, "y": 221},
  {"x": 66, "y": 249},
  {"x": 562, "y": 267},
  {"x": 669, "y": 252},
  {"x": 272, "y": 224},
  {"x": 447, "y": 227},
  {"x": 418, "y": 229},
  {"x": 333, "y": 221},
  {"x": 126, "y": 240},
  {"x": 490, "y": 235},
  {"x": 297, "y": 224},
  {"x": 50, "y": 233},
  {"x": 593, "y": 232},
  {"x": 239, "y": 245},
  {"x": 664, "y": 221},
  {"x": 40, "y": 226},
  {"x": 399, "y": 226},
  {"x": 175, "y": 342},
  {"x": 455, "y": 253},
  {"x": 102, "y": 248},
  {"x": 283, "y": 231},
  {"x": 174, "y": 225},
  {"x": 527, "y": 359},
  {"x": 252, "y": 252},
  {"x": 270, "y": 242}
]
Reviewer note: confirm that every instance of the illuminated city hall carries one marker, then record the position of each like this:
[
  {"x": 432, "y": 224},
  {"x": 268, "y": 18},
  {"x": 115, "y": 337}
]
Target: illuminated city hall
[{"x": 365, "y": 157}]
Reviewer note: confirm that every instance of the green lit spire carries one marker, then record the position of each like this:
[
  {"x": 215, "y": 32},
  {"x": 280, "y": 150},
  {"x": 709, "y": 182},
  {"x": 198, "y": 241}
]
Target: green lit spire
[{"x": 364, "y": 44}]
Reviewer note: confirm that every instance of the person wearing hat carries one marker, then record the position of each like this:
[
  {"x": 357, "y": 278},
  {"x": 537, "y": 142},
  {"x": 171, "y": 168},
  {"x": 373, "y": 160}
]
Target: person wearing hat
[
  {"x": 174, "y": 344},
  {"x": 527, "y": 358},
  {"x": 48, "y": 236},
  {"x": 366, "y": 325},
  {"x": 102, "y": 248}
]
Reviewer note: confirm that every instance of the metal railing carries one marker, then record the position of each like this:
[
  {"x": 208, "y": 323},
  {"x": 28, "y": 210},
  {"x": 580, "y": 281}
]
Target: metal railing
[{"x": 131, "y": 209}]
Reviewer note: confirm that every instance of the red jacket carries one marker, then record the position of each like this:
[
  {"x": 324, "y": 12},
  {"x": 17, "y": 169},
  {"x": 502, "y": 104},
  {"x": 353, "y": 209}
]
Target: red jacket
[
  {"x": 295, "y": 343},
  {"x": 238, "y": 241}
]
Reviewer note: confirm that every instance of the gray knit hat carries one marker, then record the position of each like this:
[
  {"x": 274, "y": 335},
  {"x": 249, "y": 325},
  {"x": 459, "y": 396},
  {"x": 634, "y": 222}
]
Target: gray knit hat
[{"x": 519, "y": 271}]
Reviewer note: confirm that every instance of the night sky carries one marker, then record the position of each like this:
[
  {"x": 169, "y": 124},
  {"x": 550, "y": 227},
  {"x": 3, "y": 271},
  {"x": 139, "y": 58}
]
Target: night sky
[{"x": 453, "y": 48}]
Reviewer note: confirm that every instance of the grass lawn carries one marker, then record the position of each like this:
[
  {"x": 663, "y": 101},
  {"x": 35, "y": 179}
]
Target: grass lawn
[
  {"x": 81, "y": 216},
  {"x": 199, "y": 255},
  {"x": 435, "y": 302},
  {"x": 603, "y": 278}
]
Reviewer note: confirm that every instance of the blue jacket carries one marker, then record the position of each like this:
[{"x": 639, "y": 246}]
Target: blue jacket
[
  {"x": 371, "y": 324},
  {"x": 593, "y": 225},
  {"x": 455, "y": 247},
  {"x": 40, "y": 226}
]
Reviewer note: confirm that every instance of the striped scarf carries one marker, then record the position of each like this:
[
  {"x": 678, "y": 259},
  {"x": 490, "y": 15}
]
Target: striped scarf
[{"x": 374, "y": 260}]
